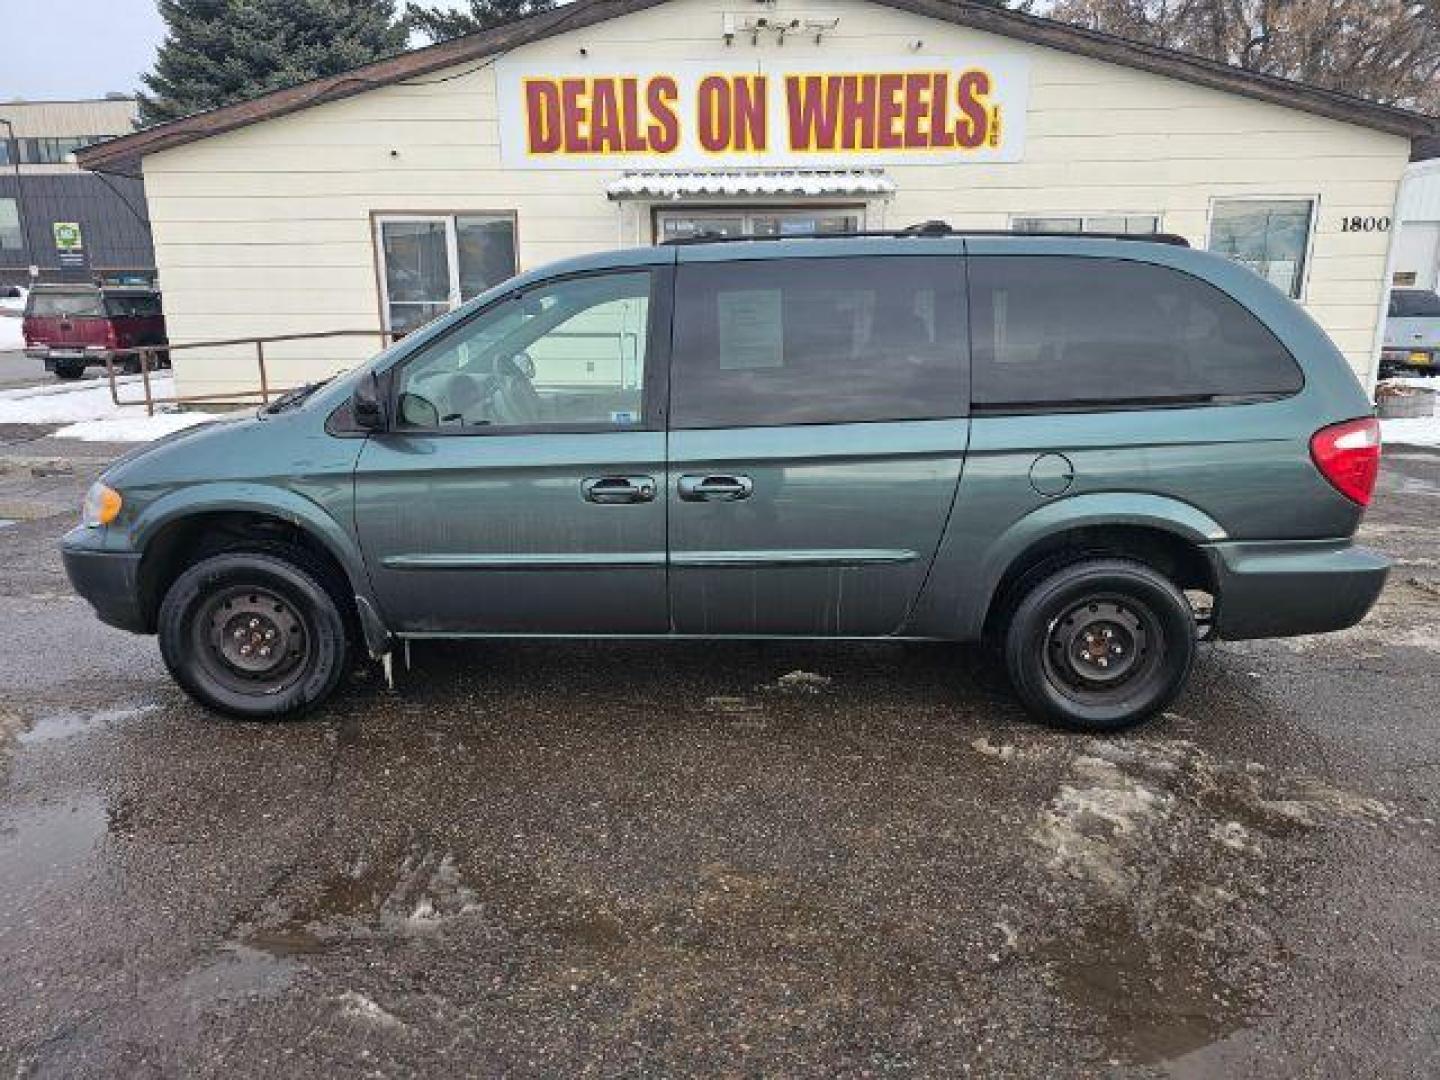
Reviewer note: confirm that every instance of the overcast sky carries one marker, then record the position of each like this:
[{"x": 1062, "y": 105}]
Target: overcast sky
[{"x": 78, "y": 48}]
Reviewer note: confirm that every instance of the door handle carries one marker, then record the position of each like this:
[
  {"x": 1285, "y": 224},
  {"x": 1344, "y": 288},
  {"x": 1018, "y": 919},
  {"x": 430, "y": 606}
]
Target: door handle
[
  {"x": 715, "y": 488},
  {"x": 609, "y": 490}
]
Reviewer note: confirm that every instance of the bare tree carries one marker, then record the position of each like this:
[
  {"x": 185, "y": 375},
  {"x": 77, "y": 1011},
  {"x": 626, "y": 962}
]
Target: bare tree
[{"x": 1385, "y": 50}]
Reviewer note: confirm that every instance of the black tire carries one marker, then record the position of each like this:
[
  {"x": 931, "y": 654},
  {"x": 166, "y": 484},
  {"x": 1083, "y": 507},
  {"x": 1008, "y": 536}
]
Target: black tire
[
  {"x": 65, "y": 370},
  {"x": 1100, "y": 645},
  {"x": 223, "y": 613}
]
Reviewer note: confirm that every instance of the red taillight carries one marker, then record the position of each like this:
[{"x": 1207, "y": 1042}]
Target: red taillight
[
  {"x": 1348, "y": 455},
  {"x": 112, "y": 338}
]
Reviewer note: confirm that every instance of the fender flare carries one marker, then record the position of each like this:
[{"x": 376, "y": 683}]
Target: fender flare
[
  {"x": 977, "y": 591},
  {"x": 286, "y": 506}
]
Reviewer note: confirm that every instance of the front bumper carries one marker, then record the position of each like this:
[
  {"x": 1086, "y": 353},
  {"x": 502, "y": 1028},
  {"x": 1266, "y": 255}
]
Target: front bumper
[
  {"x": 1288, "y": 588},
  {"x": 108, "y": 580}
]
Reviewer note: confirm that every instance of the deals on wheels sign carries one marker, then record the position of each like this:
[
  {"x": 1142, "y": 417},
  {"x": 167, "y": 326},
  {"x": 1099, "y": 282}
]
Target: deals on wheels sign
[{"x": 900, "y": 110}]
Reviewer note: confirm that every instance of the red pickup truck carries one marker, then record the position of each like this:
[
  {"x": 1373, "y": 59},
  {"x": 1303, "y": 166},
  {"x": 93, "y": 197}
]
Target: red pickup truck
[{"x": 71, "y": 327}]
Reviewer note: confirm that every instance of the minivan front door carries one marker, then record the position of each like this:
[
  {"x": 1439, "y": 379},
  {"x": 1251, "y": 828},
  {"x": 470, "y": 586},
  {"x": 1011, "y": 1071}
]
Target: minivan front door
[
  {"x": 519, "y": 489},
  {"x": 818, "y": 428}
]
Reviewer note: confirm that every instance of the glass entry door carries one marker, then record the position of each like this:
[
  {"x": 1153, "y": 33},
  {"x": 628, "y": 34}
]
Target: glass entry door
[
  {"x": 818, "y": 221},
  {"x": 431, "y": 264}
]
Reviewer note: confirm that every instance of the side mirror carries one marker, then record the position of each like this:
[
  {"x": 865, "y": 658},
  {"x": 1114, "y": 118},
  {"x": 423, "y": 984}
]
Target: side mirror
[{"x": 367, "y": 404}]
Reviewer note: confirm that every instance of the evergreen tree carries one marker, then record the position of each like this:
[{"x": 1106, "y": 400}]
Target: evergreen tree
[
  {"x": 220, "y": 51},
  {"x": 442, "y": 23}
]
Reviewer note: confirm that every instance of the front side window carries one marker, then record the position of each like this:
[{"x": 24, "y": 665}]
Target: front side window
[
  {"x": 1082, "y": 332},
  {"x": 567, "y": 354},
  {"x": 10, "y": 239},
  {"x": 1270, "y": 236},
  {"x": 432, "y": 264},
  {"x": 818, "y": 341}
]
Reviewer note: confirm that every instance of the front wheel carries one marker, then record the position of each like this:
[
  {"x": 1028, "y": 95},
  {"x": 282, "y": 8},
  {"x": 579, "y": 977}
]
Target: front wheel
[
  {"x": 1100, "y": 645},
  {"x": 253, "y": 634}
]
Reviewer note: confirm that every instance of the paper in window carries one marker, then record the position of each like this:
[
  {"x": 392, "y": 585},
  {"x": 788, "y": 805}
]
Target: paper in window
[{"x": 752, "y": 329}]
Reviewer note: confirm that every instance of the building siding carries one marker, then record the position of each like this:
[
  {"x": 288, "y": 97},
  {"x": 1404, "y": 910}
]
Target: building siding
[{"x": 267, "y": 229}]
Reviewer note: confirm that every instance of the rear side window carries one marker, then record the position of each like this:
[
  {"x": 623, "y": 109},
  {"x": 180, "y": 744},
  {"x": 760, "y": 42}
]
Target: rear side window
[
  {"x": 1078, "y": 332},
  {"x": 66, "y": 304},
  {"x": 132, "y": 306},
  {"x": 1414, "y": 304},
  {"x": 818, "y": 341}
]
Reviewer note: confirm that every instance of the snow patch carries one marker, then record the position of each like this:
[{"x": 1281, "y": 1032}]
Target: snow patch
[
  {"x": 91, "y": 415},
  {"x": 359, "y": 1007},
  {"x": 10, "y": 335},
  {"x": 1421, "y": 431},
  {"x": 1091, "y": 821},
  {"x": 800, "y": 682}
]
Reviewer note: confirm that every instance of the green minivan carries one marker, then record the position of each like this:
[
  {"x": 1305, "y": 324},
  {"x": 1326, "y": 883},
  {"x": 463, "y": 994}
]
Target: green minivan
[{"x": 1088, "y": 451}]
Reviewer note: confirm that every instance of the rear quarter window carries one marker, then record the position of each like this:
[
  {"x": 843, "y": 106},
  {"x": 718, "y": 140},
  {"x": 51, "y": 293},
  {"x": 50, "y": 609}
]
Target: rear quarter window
[
  {"x": 1081, "y": 332},
  {"x": 133, "y": 307},
  {"x": 818, "y": 341}
]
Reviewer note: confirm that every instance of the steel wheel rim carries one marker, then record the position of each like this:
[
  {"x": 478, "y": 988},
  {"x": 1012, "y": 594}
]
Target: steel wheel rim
[
  {"x": 1100, "y": 648},
  {"x": 253, "y": 639}
]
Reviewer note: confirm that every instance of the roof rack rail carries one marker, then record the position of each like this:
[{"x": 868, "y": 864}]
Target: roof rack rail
[{"x": 933, "y": 229}]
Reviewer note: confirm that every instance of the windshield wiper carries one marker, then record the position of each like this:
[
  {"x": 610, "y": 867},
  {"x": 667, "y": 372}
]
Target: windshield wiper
[{"x": 291, "y": 398}]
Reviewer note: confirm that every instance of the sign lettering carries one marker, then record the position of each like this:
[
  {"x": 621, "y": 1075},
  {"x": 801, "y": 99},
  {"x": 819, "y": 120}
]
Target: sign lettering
[{"x": 853, "y": 113}]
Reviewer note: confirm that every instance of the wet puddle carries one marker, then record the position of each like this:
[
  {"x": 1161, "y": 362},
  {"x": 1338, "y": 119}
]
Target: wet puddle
[
  {"x": 65, "y": 725},
  {"x": 416, "y": 894},
  {"x": 1150, "y": 1002},
  {"x": 238, "y": 972},
  {"x": 42, "y": 843}
]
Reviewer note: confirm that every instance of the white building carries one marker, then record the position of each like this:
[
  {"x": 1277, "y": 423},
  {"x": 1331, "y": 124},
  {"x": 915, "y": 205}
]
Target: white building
[{"x": 382, "y": 197}]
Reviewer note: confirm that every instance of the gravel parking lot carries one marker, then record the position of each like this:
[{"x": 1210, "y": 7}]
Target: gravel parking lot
[{"x": 542, "y": 859}]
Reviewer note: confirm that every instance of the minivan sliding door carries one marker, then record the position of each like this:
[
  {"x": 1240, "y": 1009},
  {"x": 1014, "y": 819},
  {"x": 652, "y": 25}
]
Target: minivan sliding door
[{"x": 818, "y": 426}]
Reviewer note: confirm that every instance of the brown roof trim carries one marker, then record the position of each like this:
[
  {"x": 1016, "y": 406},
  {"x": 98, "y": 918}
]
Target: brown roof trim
[{"x": 1033, "y": 29}]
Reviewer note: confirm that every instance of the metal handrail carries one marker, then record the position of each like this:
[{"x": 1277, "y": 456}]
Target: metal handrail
[{"x": 148, "y": 353}]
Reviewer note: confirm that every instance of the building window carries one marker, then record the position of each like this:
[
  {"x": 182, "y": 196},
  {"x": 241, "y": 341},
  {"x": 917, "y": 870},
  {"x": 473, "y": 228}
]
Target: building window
[
  {"x": 683, "y": 224},
  {"x": 1132, "y": 224},
  {"x": 46, "y": 150},
  {"x": 10, "y": 238},
  {"x": 432, "y": 263},
  {"x": 1270, "y": 236}
]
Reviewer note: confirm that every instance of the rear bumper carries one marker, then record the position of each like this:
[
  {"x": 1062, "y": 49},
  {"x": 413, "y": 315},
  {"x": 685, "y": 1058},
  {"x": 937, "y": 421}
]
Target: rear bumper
[
  {"x": 108, "y": 580},
  {"x": 1287, "y": 588},
  {"x": 51, "y": 357}
]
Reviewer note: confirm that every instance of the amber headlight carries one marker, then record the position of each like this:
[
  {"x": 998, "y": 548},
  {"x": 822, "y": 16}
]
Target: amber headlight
[{"x": 102, "y": 506}]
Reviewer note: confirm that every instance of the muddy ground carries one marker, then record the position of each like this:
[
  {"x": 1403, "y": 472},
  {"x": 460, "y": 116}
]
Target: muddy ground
[{"x": 540, "y": 859}]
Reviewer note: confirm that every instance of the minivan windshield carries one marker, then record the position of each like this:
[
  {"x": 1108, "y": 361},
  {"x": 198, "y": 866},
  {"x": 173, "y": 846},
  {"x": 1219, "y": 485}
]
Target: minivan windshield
[
  {"x": 78, "y": 304},
  {"x": 1414, "y": 304}
]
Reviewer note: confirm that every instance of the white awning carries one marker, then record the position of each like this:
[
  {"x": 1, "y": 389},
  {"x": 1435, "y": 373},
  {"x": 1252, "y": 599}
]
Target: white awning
[{"x": 682, "y": 183}]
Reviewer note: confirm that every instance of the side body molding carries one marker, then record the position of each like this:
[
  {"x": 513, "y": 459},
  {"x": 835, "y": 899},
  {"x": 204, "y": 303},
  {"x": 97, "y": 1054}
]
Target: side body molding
[{"x": 977, "y": 550}]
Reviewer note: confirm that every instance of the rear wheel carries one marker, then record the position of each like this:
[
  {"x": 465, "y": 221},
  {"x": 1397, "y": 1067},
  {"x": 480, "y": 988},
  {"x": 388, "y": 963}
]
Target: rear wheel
[
  {"x": 1100, "y": 645},
  {"x": 254, "y": 634}
]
